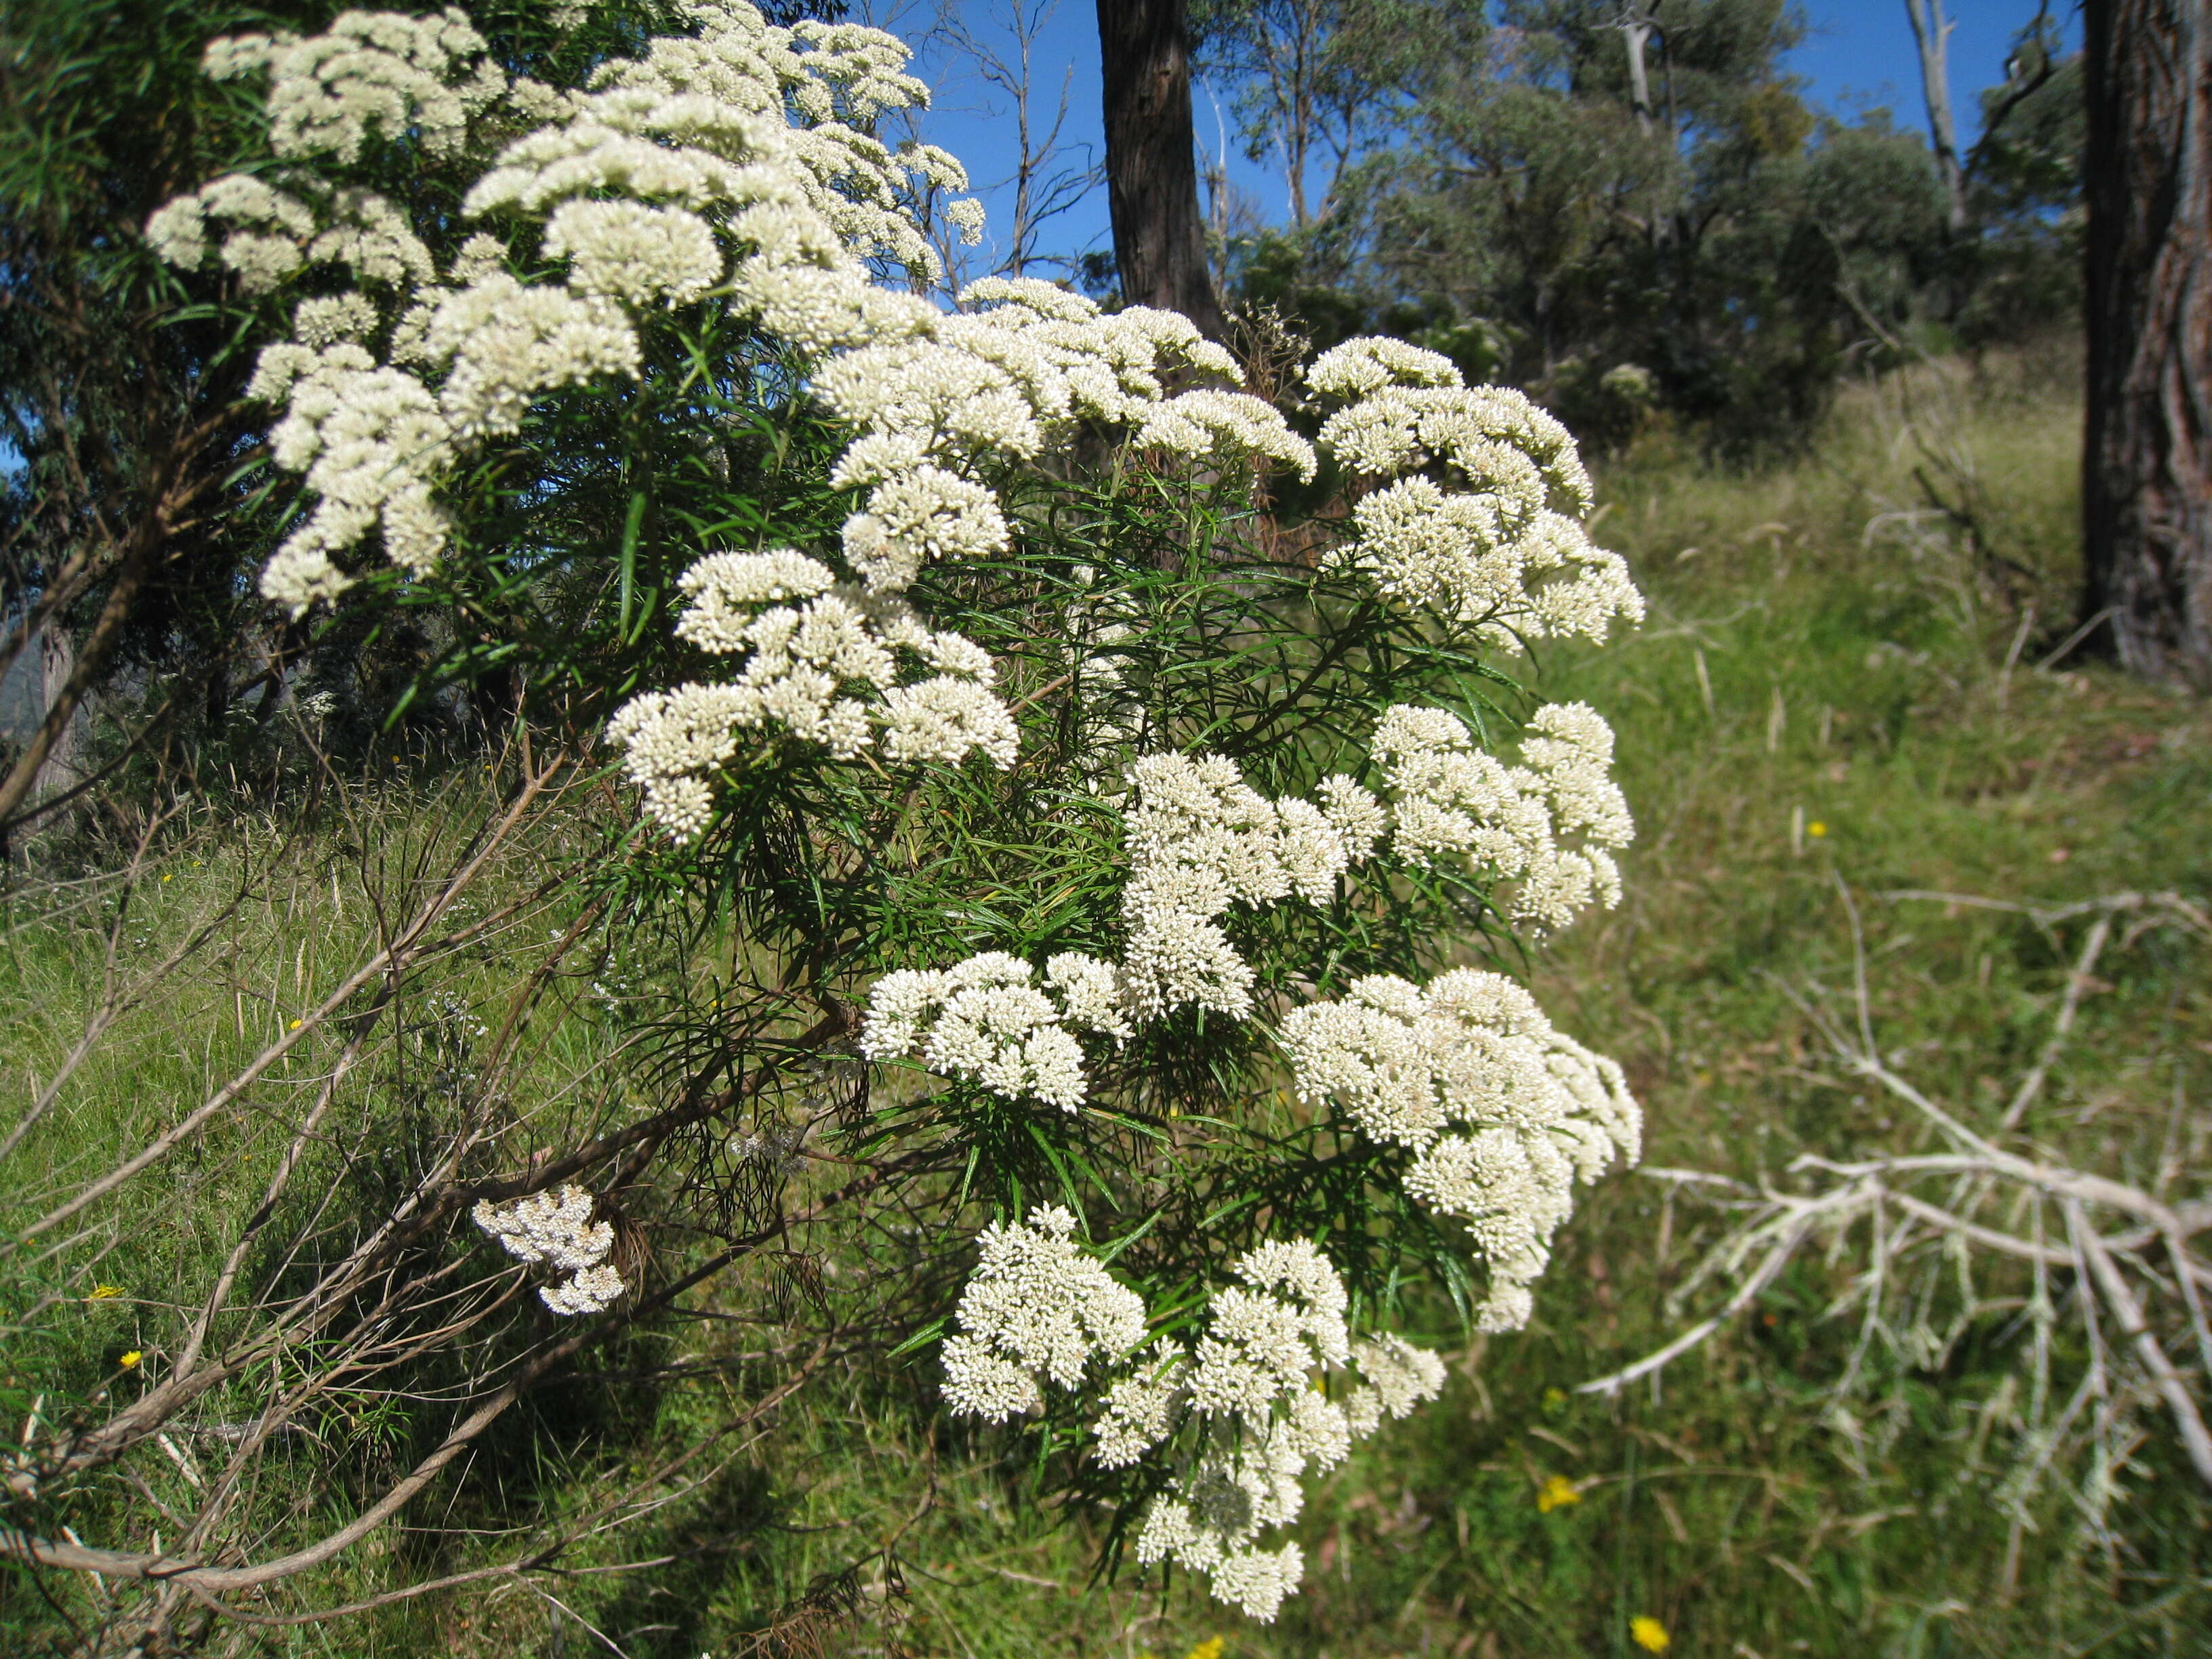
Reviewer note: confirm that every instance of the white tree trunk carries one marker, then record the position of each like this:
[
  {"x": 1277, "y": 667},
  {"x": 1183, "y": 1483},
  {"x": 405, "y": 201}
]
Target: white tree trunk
[
  {"x": 1932, "y": 30},
  {"x": 56, "y": 659}
]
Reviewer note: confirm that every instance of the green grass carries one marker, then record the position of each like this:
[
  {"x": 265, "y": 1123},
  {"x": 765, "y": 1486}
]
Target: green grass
[{"x": 1828, "y": 696}]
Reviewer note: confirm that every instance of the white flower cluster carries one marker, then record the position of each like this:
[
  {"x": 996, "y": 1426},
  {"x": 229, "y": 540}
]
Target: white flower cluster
[
  {"x": 274, "y": 234},
  {"x": 1396, "y": 1377},
  {"x": 1548, "y": 824},
  {"x": 367, "y": 439},
  {"x": 399, "y": 74},
  {"x": 1494, "y": 537},
  {"x": 940, "y": 398},
  {"x": 827, "y": 670},
  {"x": 420, "y": 77},
  {"x": 984, "y": 1021},
  {"x": 1037, "y": 1308},
  {"x": 1200, "y": 838},
  {"x": 1251, "y": 1379},
  {"x": 736, "y": 161},
  {"x": 557, "y": 1229},
  {"x": 1504, "y": 1112}
]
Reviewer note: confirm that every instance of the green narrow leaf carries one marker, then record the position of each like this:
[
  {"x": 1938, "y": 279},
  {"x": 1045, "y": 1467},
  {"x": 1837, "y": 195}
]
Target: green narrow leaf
[{"x": 631, "y": 526}]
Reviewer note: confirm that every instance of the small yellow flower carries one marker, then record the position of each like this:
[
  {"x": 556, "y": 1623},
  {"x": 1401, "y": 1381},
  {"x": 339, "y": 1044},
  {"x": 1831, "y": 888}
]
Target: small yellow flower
[
  {"x": 296, "y": 1025},
  {"x": 130, "y": 1361},
  {"x": 1649, "y": 1633},
  {"x": 1816, "y": 830},
  {"x": 1209, "y": 1649},
  {"x": 165, "y": 875},
  {"x": 101, "y": 1293},
  {"x": 1556, "y": 1493},
  {"x": 1555, "y": 1400}
]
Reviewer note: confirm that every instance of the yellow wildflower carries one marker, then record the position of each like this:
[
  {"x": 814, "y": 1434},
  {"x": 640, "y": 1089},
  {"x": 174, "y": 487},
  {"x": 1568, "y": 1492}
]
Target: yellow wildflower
[
  {"x": 1649, "y": 1633},
  {"x": 1209, "y": 1649},
  {"x": 1556, "y": 1493},
  {"x": 101, "y": 1293},
  {"x": 131, "y": 1360},
  {"x": 165, "y": 875},
  {"x": 1816, "y": 828},
  {"x": 295, "y": 1025}
]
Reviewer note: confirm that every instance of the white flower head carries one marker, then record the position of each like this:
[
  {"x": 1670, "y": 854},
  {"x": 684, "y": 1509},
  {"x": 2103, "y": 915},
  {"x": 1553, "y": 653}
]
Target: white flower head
[
  {"x": 1143, "y": 1409},
  {"x": 984, "y": 1021},
  {"x": 1481, "y": 496},
  {"x": 629, "y": 252},
  {"x": 1504, "y": 1112},
  {"x": 966, "y": 215},
  {"x": 556, "y": 1230},
  {"x": 1550, "y": 825},
  {"x": 1261, "y": 1340},
  {"x": 1361, "y": 367},
  {"x": 826, "y": 671},
  {"x": 1038, "y": 1308},
  {"x": 1201, "y": 839}
]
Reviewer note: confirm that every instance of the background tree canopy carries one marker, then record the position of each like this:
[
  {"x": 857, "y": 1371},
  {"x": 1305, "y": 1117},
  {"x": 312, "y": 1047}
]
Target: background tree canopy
[{"x": 1561, "y": 190}]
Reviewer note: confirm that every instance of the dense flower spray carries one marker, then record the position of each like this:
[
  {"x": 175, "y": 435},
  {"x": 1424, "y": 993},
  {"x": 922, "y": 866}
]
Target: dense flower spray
[
  {"x": 1265, "y": 1394},
  {"x": 731, "y": 171}
]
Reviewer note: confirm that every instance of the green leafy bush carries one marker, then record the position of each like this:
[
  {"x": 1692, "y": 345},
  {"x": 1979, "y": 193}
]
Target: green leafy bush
[{"x": 1040, "y": 835}]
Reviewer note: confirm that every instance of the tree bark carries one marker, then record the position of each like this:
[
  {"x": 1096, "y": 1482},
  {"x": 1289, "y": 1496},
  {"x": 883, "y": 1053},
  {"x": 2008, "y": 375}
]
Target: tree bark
[
  {"x": 170, "y": 493},
  {"x": 58, "y": 665},
  {"x": 1931, "y": 31},
  {"x": 2146, "y": 462},
  {"x": 1151, "y": 166},
  {"x": 1636, "y": 26}
]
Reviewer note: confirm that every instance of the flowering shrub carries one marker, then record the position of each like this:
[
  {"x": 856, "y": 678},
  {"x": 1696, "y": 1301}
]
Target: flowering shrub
[{"x": 1142, "y": 831}]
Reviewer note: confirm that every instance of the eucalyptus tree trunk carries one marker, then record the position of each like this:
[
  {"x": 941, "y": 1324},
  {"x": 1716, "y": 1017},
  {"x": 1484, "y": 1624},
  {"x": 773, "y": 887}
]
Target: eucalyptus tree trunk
[
  {"x": 1931, "y": 31},
  {"x": 1636, "y": 26},
  {"x": 2146, "y": 462},
  {"x": 1152, "y": 168}
]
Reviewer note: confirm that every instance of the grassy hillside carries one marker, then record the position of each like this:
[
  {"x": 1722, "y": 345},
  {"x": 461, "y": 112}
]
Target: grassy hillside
[{"x": 1837, "y": 703}]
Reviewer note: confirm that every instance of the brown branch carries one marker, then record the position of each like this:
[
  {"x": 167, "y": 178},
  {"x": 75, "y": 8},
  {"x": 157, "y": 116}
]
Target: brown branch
[
  {"x": 172, "y": 491},
  {"x": 394, "y": 957},
  {"x": 162, "y": 1567}
]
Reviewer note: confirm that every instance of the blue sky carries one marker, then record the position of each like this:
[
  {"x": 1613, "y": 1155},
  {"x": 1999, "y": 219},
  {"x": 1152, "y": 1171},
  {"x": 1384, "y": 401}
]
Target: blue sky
[{"x": 1858, "y": 55}]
